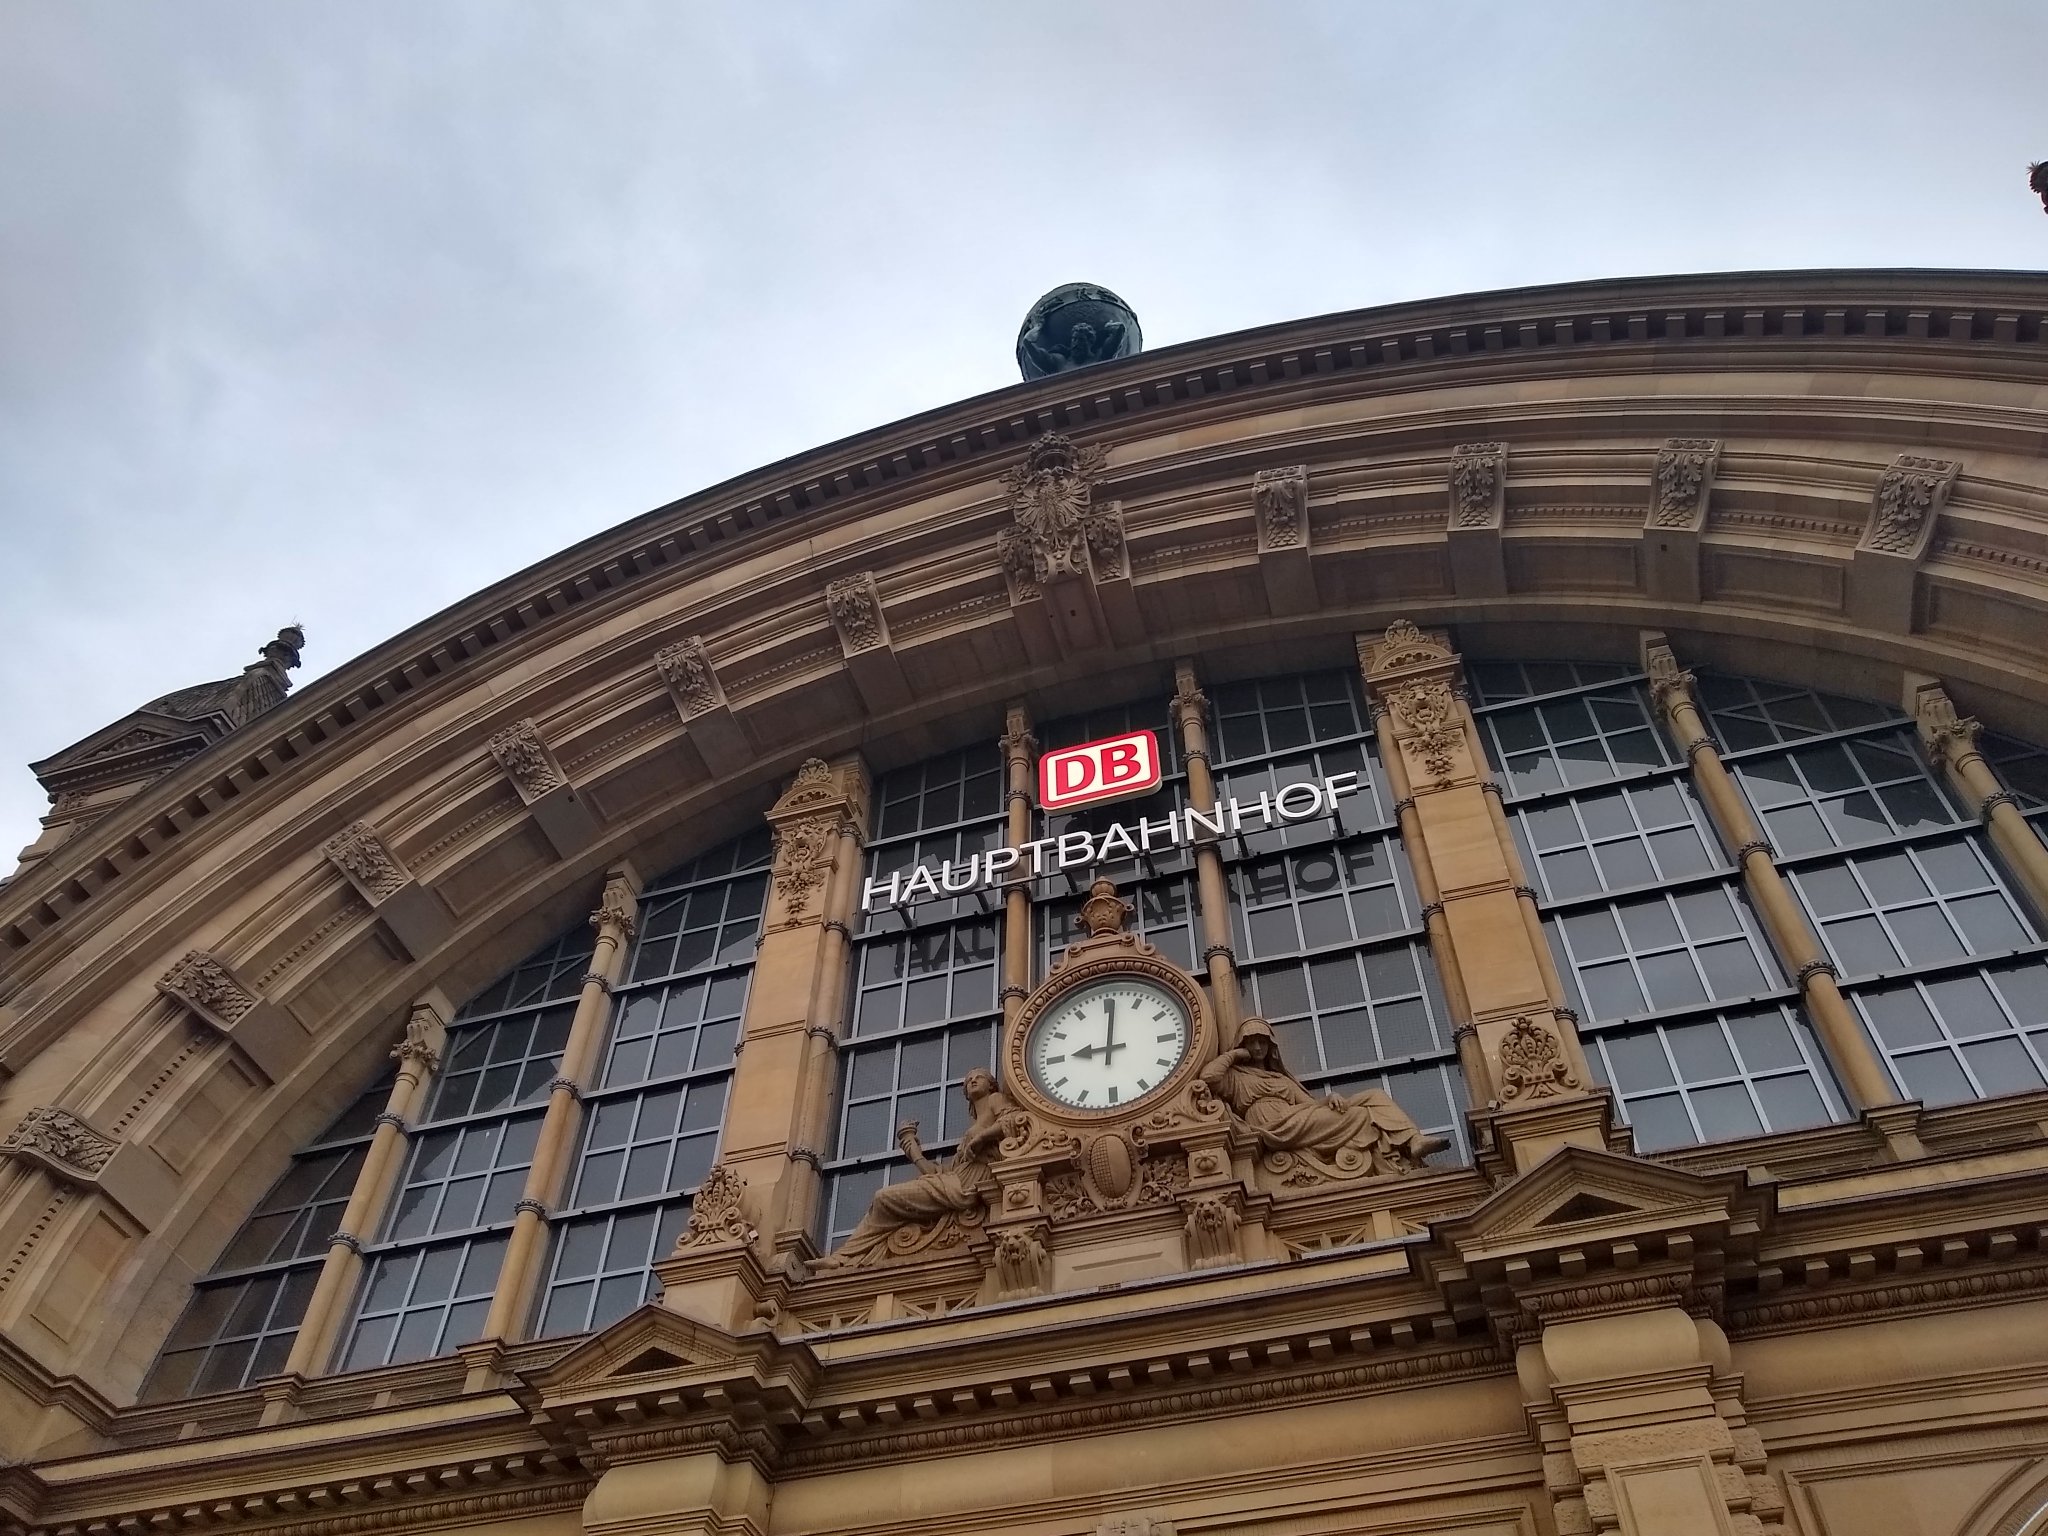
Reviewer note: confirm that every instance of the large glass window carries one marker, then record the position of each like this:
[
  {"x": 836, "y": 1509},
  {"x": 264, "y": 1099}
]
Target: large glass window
[
  {"x": 240, "y": 1323},
  {"x": 651, "y": 1123},
  {"x": 1683, "y": 1010}
]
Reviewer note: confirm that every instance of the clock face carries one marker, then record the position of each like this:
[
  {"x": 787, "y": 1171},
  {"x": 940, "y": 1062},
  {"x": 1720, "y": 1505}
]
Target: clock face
[{"x": 1107, "y": 1044}]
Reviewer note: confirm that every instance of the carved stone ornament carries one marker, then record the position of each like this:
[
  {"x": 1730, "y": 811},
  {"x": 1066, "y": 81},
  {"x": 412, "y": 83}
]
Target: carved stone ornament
[
  {"x": 617, "y": 910},
  {"x": 1533, "y": 1065},
  {"x": 1666, "y": 675},
  {"x": 1941, "y": 728},
  {"x": 718, "y": 1214},
  {"x": 358, "y": 852},
  {"x": 1022, "y": 1263},
  {"x": 1477, "y": 471},
  {"x": 1678, "y": 485},
  {"x": 1406, "y": 646},
  {"x": 202, "y": 982},
  {"x": 1280, "y": 497},
  {"x": 1211, "y": 1230},
  {"x": 1424, "y": 707},
  {"x": 1909, "y": 496},
  {"x": 422, "y": 1033},
  {"x": 813, "y": 785},
  {"x": 686, "y": 668},
  {"x": 803, "y": 858},
  {"x": 1435, "y": 751},
  {"x": 60, "y": 1136},
  {"x": 524, "y": 757},
  {"x": 1189, "y": 702},
  {"x": 1055, "y": 524},
  {"x": 856, "y": 611}
]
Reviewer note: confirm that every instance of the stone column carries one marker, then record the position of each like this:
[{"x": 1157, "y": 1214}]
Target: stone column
[
  {"x": 560, "y": 1128},
  {"x": 419, "y": 1057},
  {"x": 1523, "y": 1053},
  {"x": 1951, "y": 740},
  {"x": 1191, "y": 718},
  {"x": 778, "y": 1109},
  {"x": 1019, "y": 755},
  {"x": 1799, "y": 950}
]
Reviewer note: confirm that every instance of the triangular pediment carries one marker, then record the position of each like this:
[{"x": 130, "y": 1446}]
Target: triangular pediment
[
  {"x": 1581, "y": 1194},
  {"x": 139, "y": 732},
  {"x": 650, "y": 1342}
]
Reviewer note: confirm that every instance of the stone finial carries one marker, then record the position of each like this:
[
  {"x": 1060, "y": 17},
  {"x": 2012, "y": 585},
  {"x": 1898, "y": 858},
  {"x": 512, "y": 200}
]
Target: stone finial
[{"x": 1104, "y": 914}]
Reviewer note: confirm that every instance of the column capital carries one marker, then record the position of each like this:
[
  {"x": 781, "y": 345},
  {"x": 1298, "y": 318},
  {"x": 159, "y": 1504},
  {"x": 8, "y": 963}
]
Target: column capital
[
  {"x": 1946, "y": 734},
  {"x": 1667, "y": 677},
  {"x": 1189, "y": 702},
  {"x": 618, "y": 910}
]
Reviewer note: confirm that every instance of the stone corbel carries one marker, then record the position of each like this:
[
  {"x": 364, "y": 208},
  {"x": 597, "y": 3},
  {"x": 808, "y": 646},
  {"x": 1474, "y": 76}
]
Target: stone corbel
[
  {"x": 1064, "y": 555},
  {"x": 687, "y": 671},
  {"x": 416, "y": 917},
  {"x": 820, "y": 801},
  {"x": 265, "y": 1033},
  {"x": 63, "y": 1145},
  {"x": 1903, "y": 513},
  {"x": 563, "y": 816},
  {"x": 1478, "y": 508},
  {"x": 855, "y": 605},
  {"x": 1280, "y": 503},
  {"x": 1680, "y": 486}
]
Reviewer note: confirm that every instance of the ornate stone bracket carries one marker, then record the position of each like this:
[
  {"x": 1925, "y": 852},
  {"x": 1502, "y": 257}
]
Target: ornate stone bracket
[
  {"x": 1478, "y": 507},
  {"x": 1903, "y": 512},
  {"x": 208, "y": 988},
  {"x": 1681, "y": 485},
  {"x": 1280, "y": 502},
  {"x": 1064, "y": 555},
  {"x": 414, "y": 915},
  {"x": 563, "y": 817},
  {"x": 64, "y": 1145},
  {"x": 718, "y": 1216},
  {"x": 687, "y": 672},
  {"x": 855, "y": 604}
]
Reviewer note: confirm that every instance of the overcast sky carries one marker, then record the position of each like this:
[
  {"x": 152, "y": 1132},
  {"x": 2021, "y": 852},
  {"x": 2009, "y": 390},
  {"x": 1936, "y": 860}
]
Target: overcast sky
[{"x": 336, "y": 313}]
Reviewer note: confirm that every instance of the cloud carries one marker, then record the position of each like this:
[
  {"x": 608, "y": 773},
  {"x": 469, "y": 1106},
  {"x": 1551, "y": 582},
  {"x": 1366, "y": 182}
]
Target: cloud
[{"x": 340, "y": 313}]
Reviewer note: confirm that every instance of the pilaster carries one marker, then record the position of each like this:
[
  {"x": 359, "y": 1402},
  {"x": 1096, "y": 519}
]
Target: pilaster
[
  {"x": 779, "y": 1107},
  {"x": 1798, "y": 949},
  {"x": 1526, "y": 1073},
  {"x": 418, "y": 1055},
  {"x": 554, "y": 1151},
  {"x": 1020, "y": 752}
]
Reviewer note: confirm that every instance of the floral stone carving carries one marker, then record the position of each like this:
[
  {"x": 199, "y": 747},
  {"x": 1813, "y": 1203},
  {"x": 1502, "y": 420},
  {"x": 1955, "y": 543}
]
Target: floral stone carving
[
  {"x": 856, "y": 611},
  {"x": 1533, "y": 1065},
  {"x": 1280, "y": 497},
  {"x": 524, "y": 757},
  {"x": 718, "y": 1214},
  {"x": 1679, "y": 482},
  {"x": 358, "y": 852},
  {"x": 203, "y": 983},
  {"x": 686, "y": 668},
  {"x": 60, "y": 1136}
]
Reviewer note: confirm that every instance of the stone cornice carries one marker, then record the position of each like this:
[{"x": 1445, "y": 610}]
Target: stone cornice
[{"x": 1982, "y": 323}]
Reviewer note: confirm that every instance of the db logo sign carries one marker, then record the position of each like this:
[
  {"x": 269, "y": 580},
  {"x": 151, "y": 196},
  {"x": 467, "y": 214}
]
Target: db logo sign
[{"x": 1110, "y": 769}]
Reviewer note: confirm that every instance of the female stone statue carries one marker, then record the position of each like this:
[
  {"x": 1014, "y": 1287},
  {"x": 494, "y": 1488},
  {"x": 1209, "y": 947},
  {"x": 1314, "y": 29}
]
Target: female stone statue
[
  {"x": 1367, "y": 1133},
  {"x": 959, "y": 1187}
]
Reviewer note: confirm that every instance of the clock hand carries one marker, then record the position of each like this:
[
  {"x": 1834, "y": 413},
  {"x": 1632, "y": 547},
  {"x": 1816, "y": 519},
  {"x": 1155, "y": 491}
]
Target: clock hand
[
  {"x": 1109, "y": 1033},
  {"x": 1086, "y": 1052}
]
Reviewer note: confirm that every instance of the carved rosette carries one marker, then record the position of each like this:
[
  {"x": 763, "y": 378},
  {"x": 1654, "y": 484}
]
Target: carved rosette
[
  {"x": 1055, "y": 525},
  {"x": 1280, "y": 498},
  {"x": 1478, "y": 484},
  {"x": 1533, "y": 1064},
  {"x": 685, "y": 668},
  {"x": 525, "y": 759},
  {"x": 718, "y": 1216},
  {"x": 360, "y": 853},
  {"x": 205, "y": 985},
  {"x": 856, "y": 609},
  {"x": 52, "y": 1135},
  {"x": 1909, "y": 498},
  {"x": 1680, "y": 483}
]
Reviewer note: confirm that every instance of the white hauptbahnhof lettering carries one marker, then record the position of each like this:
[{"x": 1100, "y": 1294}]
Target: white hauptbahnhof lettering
[{"x": 1047, "y": 855}]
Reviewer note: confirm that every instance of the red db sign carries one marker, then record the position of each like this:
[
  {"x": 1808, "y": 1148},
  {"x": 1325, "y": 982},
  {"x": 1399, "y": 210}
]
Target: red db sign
[{"x": 1110, "y": 769}]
